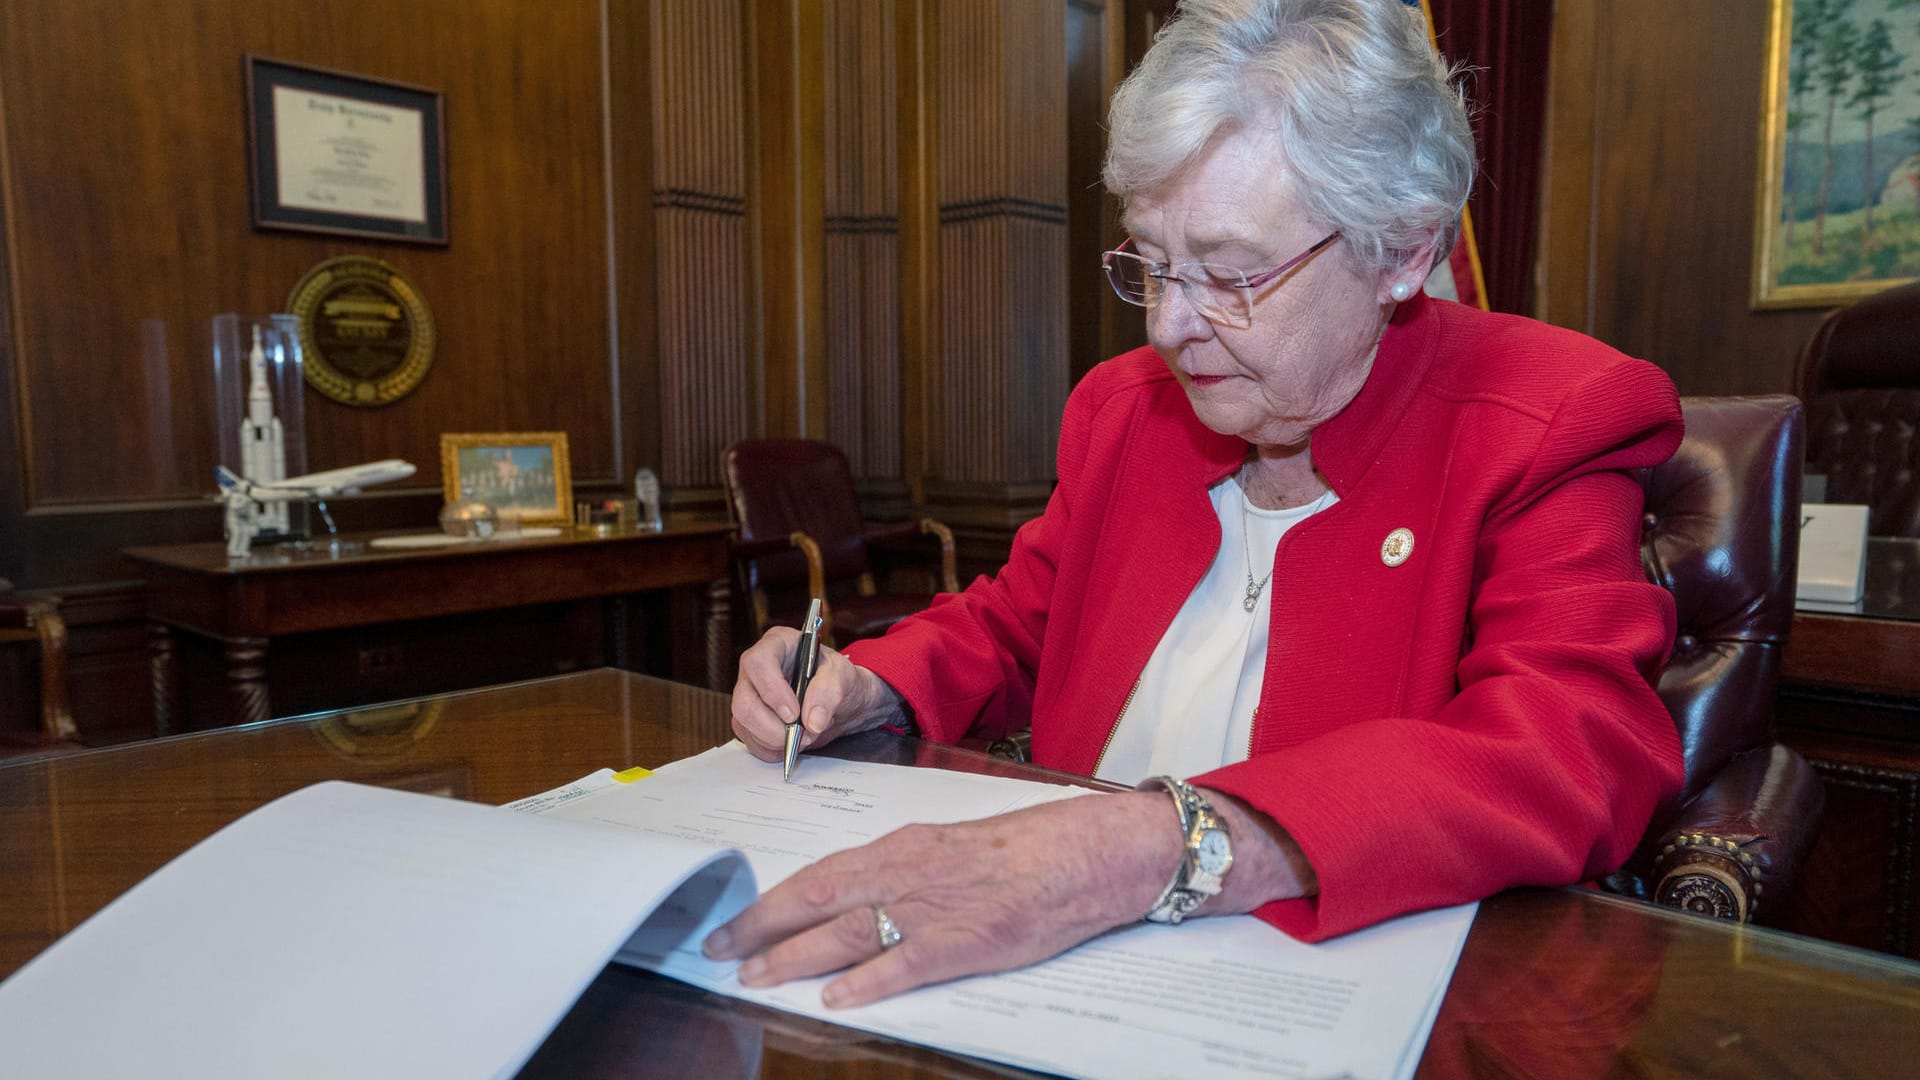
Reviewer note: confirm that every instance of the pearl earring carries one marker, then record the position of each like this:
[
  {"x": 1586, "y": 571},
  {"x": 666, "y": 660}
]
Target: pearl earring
[{"x": 1401, "y": 290}]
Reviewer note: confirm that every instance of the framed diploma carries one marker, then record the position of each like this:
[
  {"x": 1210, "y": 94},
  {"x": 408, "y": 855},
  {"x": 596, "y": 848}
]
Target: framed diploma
[{"x": 343, "y": 154}]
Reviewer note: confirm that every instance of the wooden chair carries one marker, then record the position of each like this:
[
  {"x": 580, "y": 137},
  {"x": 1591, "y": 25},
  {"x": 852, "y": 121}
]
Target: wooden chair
[
  {"x": 25, "y": 620},
  {"x": 800, "y": 535}
]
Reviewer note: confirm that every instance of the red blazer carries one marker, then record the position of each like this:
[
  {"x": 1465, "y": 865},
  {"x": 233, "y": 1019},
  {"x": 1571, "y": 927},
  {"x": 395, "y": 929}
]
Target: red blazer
[{"x": 1481, "y": 715}]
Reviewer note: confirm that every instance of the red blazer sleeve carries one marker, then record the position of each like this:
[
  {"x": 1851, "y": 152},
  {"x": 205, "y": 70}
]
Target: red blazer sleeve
[
  {"x": 1547, "y": 765},
  {"x": 968, "y": 663}
]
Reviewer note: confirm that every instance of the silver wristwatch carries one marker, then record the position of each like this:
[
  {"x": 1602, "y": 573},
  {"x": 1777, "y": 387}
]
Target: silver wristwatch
[{"x": 1206, "y": 860}]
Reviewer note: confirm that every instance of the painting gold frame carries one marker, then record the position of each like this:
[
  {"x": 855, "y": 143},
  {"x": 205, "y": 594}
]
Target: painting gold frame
[
  {"x": 540, "y": 501},
  {"x": 1767, "y": 289}
]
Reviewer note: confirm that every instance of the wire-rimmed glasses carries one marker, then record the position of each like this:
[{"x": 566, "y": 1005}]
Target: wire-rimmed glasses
[{"x": 1223, "y": 294}]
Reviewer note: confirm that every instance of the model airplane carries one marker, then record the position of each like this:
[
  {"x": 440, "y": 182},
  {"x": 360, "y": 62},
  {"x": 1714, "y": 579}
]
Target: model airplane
[{"x": 246, "y": 499}]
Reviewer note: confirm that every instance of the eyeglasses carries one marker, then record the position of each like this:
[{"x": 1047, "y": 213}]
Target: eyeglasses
[{"x": 1221, "y": 293}]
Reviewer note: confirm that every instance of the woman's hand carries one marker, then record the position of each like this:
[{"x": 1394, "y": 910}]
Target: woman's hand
[
  {"x": 842, "y": 698},
  {"x": 979, "y": 896}
]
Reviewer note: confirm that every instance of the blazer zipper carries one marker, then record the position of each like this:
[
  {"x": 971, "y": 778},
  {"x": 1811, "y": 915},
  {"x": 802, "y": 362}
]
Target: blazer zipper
[{"x": 1115, "y": 729}]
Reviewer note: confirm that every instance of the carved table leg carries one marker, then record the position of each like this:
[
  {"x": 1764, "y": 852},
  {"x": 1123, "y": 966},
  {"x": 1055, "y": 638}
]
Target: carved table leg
[
  {"x": 720, "y": 635},
  {"x": 247, "y": 681},
  {"x": 164, "y": 665}
]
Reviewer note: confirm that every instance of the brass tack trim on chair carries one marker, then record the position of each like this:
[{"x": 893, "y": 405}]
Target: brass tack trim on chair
[{"x": 1698, "y": 885}]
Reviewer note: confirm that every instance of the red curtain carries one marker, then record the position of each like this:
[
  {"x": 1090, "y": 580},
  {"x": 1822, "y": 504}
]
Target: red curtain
[{"x": 1507, "y": 43}]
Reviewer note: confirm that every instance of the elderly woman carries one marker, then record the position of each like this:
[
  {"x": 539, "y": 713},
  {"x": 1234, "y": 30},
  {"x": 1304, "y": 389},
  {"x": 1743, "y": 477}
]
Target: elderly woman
[{"x": 1353, "y": 574}]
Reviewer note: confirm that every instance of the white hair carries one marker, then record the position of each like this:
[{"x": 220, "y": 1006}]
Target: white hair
[{"x": 1363, "y": 110}]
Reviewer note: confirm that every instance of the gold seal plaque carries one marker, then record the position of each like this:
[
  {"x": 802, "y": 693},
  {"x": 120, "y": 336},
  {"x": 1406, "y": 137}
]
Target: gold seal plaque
[{"x": 366, "y": 334}]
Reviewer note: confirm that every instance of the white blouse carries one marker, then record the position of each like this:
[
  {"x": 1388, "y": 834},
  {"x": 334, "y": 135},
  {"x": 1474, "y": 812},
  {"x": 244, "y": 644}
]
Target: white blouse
[{"x": 1192, "y": 710}]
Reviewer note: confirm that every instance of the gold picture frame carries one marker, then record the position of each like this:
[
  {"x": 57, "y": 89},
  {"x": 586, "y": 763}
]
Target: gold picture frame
[
  {"x": 1837, "y": 202},
  {"x": 524, "y": 475}
]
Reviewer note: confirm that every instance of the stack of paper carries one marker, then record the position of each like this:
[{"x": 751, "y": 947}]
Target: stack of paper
[
  {"x": 1214, "y": 997},
  {"x": 1833, "y": 554},
  {"x": 351, "y": 931}
]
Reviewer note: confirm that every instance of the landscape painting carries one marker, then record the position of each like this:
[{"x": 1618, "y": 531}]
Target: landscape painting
[{"x": 1839, "y": 206}]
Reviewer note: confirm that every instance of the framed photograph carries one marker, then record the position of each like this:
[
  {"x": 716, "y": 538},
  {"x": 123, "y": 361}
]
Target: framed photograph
[
  {"x": 523, "y": 475},
  {"x": 335, "y": 153},
  {"x": 1837, "y": 212}
]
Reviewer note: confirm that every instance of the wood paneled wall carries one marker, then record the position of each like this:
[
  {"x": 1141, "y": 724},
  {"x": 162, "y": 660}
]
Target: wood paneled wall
[
  {"x": 862, "y": 227},
  {"x": 674, "y": 223},
  {"x": 1648, "y": 194},
  {"x": 126, "y": 202},
  {"x": 1003, "y": 216},
  {"x": 702, "y": 258}
]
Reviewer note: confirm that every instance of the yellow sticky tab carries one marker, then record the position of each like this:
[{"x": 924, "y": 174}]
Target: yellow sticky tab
[{"x": 628, "y": 776}]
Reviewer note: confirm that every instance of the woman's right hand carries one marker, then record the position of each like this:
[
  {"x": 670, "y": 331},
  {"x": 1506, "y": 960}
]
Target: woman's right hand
[{"x": 843, "y": 697}]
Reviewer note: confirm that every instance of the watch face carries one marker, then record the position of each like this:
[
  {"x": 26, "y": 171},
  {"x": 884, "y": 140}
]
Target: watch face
[{"x": 1216, "y": 852}]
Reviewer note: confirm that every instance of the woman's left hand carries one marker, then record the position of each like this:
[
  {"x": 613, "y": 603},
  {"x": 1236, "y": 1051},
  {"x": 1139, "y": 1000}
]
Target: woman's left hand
[{"x": 974, "y": 897}]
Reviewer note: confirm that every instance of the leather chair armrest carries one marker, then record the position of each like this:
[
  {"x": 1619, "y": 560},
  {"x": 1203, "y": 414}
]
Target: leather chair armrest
[
  {"x": 1740, "y": 842},
  {"x": 816, "y": 573},
  {"x": 913, "y": 535},
  {"x": 748, "y": 550},
  {"x": 23, "y": 619}
]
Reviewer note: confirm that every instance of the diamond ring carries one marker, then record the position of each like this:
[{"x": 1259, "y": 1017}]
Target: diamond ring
[{"x": 889, "y": 933}]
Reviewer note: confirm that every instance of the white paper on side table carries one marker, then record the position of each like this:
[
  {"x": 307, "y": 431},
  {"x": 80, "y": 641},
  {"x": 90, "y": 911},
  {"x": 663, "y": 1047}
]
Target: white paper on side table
[
  {"x": 470, "y": 931},
  {"x": 1833, "y": 553}
]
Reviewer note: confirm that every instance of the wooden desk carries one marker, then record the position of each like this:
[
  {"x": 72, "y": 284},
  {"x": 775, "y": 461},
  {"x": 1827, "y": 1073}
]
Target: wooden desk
[
  {"x": 1552, "y": 982},
  {"x": 1875, "y": 650},
  {"x": 276, "y": 592},
  {"x": 1850, "y": 704}
]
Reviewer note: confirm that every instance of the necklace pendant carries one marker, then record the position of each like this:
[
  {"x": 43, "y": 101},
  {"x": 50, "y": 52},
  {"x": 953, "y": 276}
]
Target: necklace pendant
[{"x": 1253, "y": 595}]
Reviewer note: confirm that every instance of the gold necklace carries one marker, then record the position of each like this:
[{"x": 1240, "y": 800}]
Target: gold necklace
[{"x": 1255, "y": 588}]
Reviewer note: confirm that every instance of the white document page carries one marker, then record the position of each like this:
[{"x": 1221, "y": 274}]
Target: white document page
[
  {"x": 348, "y": 156},
  {"x": 1833, "y": 555},
  {"x": 348, "y": 931},
  {"x": 1211, "y": 997},
  {"x": 565, "y": 793}
]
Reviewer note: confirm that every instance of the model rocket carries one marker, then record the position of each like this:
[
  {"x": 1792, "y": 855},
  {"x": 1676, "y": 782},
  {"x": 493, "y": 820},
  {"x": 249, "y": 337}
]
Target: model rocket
[{"x": 263, "y": 446}]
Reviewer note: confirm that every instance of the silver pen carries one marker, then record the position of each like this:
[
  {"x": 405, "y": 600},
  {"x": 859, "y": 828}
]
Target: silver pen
[{"x": 805, "y": 660}]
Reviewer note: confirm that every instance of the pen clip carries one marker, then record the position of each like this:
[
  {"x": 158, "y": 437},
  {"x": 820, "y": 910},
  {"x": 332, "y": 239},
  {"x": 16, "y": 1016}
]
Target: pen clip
[{"x": 807, "y": 658}]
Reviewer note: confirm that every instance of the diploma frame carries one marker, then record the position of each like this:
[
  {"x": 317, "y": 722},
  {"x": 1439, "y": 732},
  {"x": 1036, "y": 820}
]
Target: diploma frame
[{"x": 265, "y": 75}]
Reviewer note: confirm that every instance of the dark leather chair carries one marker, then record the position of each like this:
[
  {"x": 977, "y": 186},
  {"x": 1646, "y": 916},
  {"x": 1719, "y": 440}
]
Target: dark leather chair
[
  {"x": 1721, "y": 532},
  {"x": 39, "y": 621},
  {"x": 1860, "y": 378},
  {"x": 800, "y": 535}
]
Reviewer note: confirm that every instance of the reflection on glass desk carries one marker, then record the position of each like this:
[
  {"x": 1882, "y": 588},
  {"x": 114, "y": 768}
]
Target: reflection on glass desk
[
  {"x": 1873, "y": 647},
  {"x": 1553, "y": 982}
]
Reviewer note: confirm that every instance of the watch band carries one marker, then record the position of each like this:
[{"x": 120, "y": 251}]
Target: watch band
[{"x": 1192, "y": 882}]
